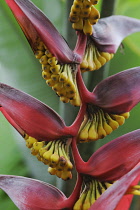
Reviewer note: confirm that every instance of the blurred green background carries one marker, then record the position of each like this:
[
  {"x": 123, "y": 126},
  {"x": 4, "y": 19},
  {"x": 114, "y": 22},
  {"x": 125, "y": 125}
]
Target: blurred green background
[{"x": 20, "y": 69}]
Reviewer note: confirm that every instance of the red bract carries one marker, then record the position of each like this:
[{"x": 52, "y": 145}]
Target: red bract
[
  {"x": 108, "y": 105},
  {"x": 31, "y": 194},
  {"x": 114, "y": 198},
  {"x": 44, "y": 130},
  {"x": 36, "y": 25},
  {"x": 59, "y": 62},
  {"x": 109, "y": 32},
  {"x": 108, "y": 164},
  {"x": 36, "y": 195},
  {"x": 113, "y": 160},
  {"x": 118, "y": 93},
  {"x": 107, "y": 36},
  {"x": 33, "y": 117}
]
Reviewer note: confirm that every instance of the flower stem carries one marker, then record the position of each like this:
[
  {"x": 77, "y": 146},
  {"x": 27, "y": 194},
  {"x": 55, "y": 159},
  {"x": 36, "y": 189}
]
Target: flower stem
[
  {"x": 79, "y": 163},
  {"x": 108, "y": 8},
  {"x": 75, "y": 194},
  {"x": 68, "y": 112}
]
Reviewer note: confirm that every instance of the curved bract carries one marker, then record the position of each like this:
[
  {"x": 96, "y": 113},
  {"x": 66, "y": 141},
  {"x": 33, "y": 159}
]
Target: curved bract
[
  {"x": 32, "y": 116},
  {"x": 106, "y": 38},
  {"x": 118, "y": 93},
  {"x": 109, "y": 104},
  {"x": 107, "y": 180},
  {"x": 111, "y": 161},
  {"x": 31, "y": 194},
  {"x": 58, "y": 61},
  {"x": 116, "y": 158},
  {"x": 109, "y": 32},
  {"x": 115, "y": 194},
  {"x": 108, "y": 164},
  {"x": 36, "y": 26},
  {"x": 34, "y": 194}
]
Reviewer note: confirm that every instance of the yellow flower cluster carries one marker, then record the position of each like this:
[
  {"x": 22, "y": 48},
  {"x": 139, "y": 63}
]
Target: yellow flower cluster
[
  {"x": 61, "y": 77},
  {"x": 94, "y": 59},
  {"x": 83, "y": 15},
  {"x": 55, "y": 154},
  {"x": 99, "y": 124},
  {"x": 92, "y": 191}
]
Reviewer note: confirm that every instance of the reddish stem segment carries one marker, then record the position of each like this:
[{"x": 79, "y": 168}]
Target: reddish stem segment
[
  {"x": 86, "y": 97},
  {"x": 80, "y": 44},
  {"x": 85, "y": 94},
  {"x": 79, "y": 163},
  {"x": 69, "y": 203},
  {"x": 74, "y": 128}
]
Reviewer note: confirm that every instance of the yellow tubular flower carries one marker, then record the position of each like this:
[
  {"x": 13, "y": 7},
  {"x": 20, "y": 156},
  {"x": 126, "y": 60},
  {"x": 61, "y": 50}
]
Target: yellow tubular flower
[
  {"x": 61, "y": 77},
  {"x": 55, "y": 154},
  {"x": 135, "y": 190},
  {"x": 83, "y": 15},
  {"x": 94, "y": 59},
  {"x": 97, "y": 124},
  {"x": 92, "y": 191}
]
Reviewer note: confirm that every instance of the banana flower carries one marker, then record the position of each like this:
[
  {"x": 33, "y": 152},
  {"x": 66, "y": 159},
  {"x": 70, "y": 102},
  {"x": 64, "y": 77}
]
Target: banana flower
[
  {"x": 97, "y": 174},
  {"x": 107, "y": 165},
  {"x": 59, "y": 63},
  {"x": 106, "y": 38},
  {"x": 109, "y": 104},
  {"x": 83, "y": 15},
  {"x": 32, "y": 194},
  {"x": 43, "y": 129},
  {"x": 120, "y": 194},
  {"x": 102, "y": 110}
]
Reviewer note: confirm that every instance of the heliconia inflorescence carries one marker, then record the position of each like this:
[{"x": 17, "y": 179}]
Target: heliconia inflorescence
[{"x": 108, "y": 180}]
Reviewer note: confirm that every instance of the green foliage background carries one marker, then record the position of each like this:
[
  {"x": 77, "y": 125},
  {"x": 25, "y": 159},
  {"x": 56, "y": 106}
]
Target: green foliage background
[{"x": 20, "y": 69}]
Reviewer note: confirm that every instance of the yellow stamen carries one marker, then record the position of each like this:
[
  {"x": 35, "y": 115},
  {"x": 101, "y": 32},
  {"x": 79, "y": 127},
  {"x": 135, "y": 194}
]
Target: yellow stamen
[
  {"x": 97, "y": 124},
  {"x": 83, "y": 15},
  {"x": 36, "y": 147},
  {"x": 39, "y": 54},
  {"x": 52, "y": 61},
  {"x": 46, "y": 75},
  {"x": 92, "y": 191},
  {"x": 30, "y": 141},
  {"x": 94, "y": 15},
  {"x": 47, "y": 52},
  {"x": 55, "y": 69},
  {"x": 44, "y": 60},
  {"x": 94, "y": 59},
  {"x": 135, "y": 190},
  {"x": 101, "y": 131},
  {"x": 53, "y": 153},
  {"x": 61, "y": 77}
]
